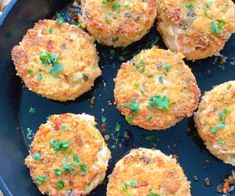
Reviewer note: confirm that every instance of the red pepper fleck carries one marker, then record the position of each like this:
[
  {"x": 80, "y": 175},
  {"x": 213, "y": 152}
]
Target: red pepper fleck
[
  {"x": 144, "y": 183},
  {"x": 50, "y": 46},
  {"x": 64, "y": 116},
  {"x": 57, "y": 125},
  {"x": 233, "y": 94}
]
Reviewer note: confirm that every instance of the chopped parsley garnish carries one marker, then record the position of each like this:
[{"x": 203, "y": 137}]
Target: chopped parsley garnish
[
  {"x": 107, "y": 1},
  {"x": 151, "y": 193},
  {"x": 50, "y": 30},
  {"x": 64, "y": 128},
  {"x": 83, "y": 169},
  {"x": 189, "y": 5},
  {"x": 103, "y": 119},
  {"x": 216, "y": 26},
  {"x": 57, "y": 172},
  {"x": 40, "y": 179},
  {"x": 76, "y": 160},
  {"x": 30, "y": 71},
  {"x": 117, "y": 127},
  {"x": 68, "y": 167},
  {"x": 39, "y": 76},
  {"x": 159, "y": 102},
  {"x": 51, "y": 59},
  {"x": 60, "y": 19},
  {"x": 29, "y": 134},
  {"x": 60, "y": 145},
  {"x": 115, "y": 7},
  {"x": 140, "y": 66},
  {"x": 57, "y": 68},
  {"x": 37, "y": 156},
  {"x": 221, "y": 121},
  {"x": 32, "y": 110},
  {"x": 60, "y": 184},
  {"x": 221, "y": 142},
  {"x": 149, "y": 117},
  {"x": 126, "y": 186},
  {"x": 107, "y": 19},
  {"x": 133, "y": 106}
]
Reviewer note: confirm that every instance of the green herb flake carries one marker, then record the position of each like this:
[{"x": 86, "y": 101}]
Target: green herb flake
[
  {"x": 60, "y": 184},
  {"x": 133, "y": 183},
  {"x": 133, "y": 106},
  {"x": 32, "y": 110},
  {"x": 40, "y": 179},
  {"x": 117, "y": 127},
  {"x": 107, "y": 1},
  {"x": 76, "y": 160},
  {"x": 189, "y": 5},
  {"x": 151, "y": 193},
  {"x": 159, "y": 102},
  {"x": 60, "y": 145},
  {"x": 30, "y": 71},
  {"x": 68, "y": 167},
  {"x": 216, "y": 26},
  {"x": 39, "y": 76},
  {"x": 60, "y": 19},
  {"x": 149, "y": 117},
  {"x": 221, "y": 142},
  {"x": 103, "y": 119},
  {"x": 45, "y": 58},
  {"x": 29, "y": 134},
  {"x": 64, "y": 128},
  {"x": 51, "y": 30},
  {"x": 37, "y": 156},
  {"x": 107, "y": 19},
  {"x": 213, "y": 130},
  {"x": 57, "y": 68},
  {"x": 83, "y": 169},
  {"x": 57, "y": 172},
  {"x": 115, "y": 7}
]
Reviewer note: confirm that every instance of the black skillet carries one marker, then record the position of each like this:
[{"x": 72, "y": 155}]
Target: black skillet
[{"x": 21, "y": 111}]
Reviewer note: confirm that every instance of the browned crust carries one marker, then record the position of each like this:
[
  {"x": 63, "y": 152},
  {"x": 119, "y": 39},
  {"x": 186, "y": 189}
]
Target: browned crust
[
  {"x": 180, "y": 87},
  {"x": 151, "y": 169},
  {"x": 62, "y": 86}
]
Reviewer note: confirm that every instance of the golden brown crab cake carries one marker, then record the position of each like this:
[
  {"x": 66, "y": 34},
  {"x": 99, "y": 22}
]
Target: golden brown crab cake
[
  {"x": 198, "y": 29},
  {"x": 215, "y": 121},
  {"x": 68, "y": 155},
  {"x": 57, "y": 61},
  {"x": 118, "y": 23},
  {"x": 155, "y": 89},
  {"x": 148, "y": 172}
]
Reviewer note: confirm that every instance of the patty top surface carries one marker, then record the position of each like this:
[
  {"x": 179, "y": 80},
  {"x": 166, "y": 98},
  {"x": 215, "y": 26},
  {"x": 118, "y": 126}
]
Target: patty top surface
[
  {"x": 215, "y": 120},
  {"x": 58, "y": 61},
  {"x": 197, "y": 28},
  {"x": 119, "y": 22},
  {"x": 68, "y": 155},
  {"x": 156, "y": 89},
  {"x": 147, "y": 172}
]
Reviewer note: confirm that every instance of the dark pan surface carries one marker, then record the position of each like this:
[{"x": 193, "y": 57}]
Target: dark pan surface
[{"x": 22, "y": 111}]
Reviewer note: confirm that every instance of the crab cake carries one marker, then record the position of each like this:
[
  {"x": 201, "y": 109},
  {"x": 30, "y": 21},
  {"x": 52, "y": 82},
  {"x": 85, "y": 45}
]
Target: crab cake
[
  {"x": 118, "y": 23},
  {"x": 68, "y": 155},
  {"x": 198, "y": 29},
  {"x": 57, "y": 61},
  {"x": 215, "y": 121},
  {"x": 155, "y": 89},
  {"x": 148, "y": 172}
]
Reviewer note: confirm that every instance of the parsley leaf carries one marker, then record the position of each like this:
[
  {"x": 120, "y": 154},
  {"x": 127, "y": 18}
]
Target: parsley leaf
[
  {"x": 216, "y": 26},
  {"x": 83, "y": 169},
  {"x": 40, "y": 179},
  {"x": 37, "y": 156},
  {"x": 60, "y": 145},
  {"x": 57, "y": 68},
  {"x": 60, "y": 184},
  {"x": 57, "y": 172},
  {"x": 159, "y": 102},
  {"x": 133, "y": 106},
  {"x": 76, "y": 160}
]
